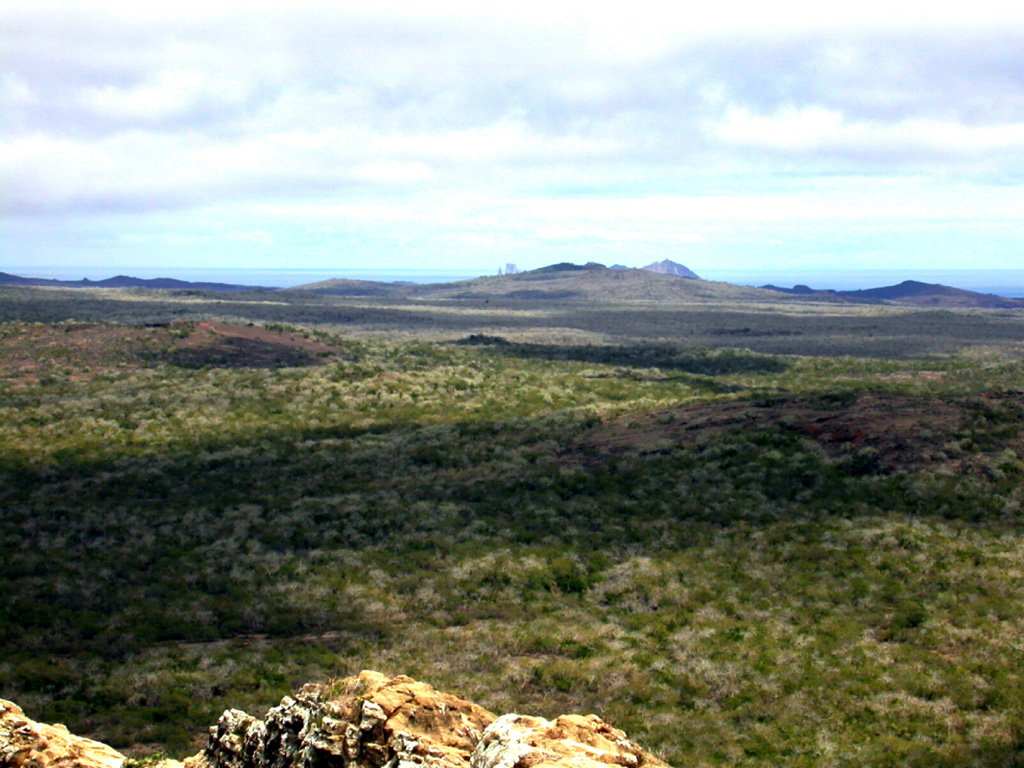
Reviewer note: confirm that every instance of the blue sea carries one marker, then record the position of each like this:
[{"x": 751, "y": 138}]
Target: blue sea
[{"x": 1001, "y": 282}]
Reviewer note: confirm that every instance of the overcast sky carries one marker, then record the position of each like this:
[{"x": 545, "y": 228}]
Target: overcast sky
[{"x": 221, "y": 135}]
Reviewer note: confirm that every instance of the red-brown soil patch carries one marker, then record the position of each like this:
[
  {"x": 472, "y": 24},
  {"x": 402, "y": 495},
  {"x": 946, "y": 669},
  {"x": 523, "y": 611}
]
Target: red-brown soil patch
[
  {"x": 218, "y": 345},
  {"x": 29, "y": 352},
  {"x": 902, "y": 432}
]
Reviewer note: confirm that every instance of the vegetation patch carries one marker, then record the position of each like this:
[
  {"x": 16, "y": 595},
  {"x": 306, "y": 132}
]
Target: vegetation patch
[
  {"x": 219, "y": 345},
  {"x": 739, "y": 557},
  {"x": 32, "y": 350},
  {"x": 870, "y": 433}
]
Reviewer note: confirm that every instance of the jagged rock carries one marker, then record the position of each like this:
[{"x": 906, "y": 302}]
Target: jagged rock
[
  {"x": 368, "y": 721},
  {"x": 578, "y": 741},
  {"x": 25, "y": 743},
  {"x": 667, "y": 267}
]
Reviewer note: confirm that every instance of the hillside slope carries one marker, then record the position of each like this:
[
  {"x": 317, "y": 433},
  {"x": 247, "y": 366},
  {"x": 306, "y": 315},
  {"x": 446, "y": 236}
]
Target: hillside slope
[
  {"x": 910, "y": 292},
  {"x": 559, "y": 282}
]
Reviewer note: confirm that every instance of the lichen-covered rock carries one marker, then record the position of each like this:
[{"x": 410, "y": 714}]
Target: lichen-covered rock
[
  {"x": 236, "y": 740},
  {"x": 369, "y": 721},
  {"x": 25, "y": 743},
  {"x": 571, "y": 741}
]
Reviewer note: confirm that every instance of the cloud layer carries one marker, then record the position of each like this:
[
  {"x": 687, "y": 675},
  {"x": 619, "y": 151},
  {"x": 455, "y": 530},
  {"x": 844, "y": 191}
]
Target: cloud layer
[{"x": 531, "y": 134}]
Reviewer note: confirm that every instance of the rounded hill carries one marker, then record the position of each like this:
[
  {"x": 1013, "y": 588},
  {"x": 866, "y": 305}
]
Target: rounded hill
[{"x": 558, "y": 282}]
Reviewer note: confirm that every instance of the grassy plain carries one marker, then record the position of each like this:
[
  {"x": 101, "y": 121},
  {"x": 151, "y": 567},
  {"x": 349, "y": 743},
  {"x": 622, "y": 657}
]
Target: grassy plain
[{"x": 747, "y": 532}]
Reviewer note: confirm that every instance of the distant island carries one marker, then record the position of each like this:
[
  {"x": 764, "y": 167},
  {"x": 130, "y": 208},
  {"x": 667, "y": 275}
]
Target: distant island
[
  {"x": 665, "y": 267},
  {"x": 565, "y": 280},
  {"x": 909, "y": 292},
  {"x": 123, "y": 281}
]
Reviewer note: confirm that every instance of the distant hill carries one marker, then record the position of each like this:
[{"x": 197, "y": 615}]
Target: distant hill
[
  {"x": 123, "y": 281},
  {"x": 565, "y": 266},
  {"x": 557, "y": 282},
  {"x": 799, "y": 290},
  {"x": 910, "y": 292},
  {"x": 342, "y": 286},
  {"x": 667, "y": 267},
  {"x": 573, "y": 282},
  {"x": 658, "y": 282}
]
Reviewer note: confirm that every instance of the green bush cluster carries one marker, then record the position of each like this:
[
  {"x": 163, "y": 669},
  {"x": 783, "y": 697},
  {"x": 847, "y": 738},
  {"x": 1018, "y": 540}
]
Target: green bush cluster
[{"x": 540, "y": 527}]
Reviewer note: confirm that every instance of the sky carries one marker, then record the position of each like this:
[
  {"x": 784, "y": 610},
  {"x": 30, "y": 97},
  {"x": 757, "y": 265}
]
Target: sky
[{"x": 453, "y": 136}]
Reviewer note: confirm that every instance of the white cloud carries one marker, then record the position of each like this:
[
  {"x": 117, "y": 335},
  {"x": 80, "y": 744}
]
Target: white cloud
[
  {"x": 814, "y": 129},
  {"x": 170, "y": 94},
  {"x": 257, "y": 237},
  {"x": 392, "y": 172},
  {"x": 15, "y": 91},
  {"x": 790, "y": 128},
  {"x": 618, "y": 232},
  {"x": 629, "y": 125}
]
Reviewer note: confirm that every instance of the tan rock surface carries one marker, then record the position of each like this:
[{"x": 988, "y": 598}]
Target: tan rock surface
[
  {"x": 571, "y": 741},
  {"x": 367, "y": 721},
  {"x": 25, "y": 743}
]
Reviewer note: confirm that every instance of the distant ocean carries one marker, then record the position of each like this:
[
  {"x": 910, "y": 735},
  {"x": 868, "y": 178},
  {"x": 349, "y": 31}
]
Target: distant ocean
[{"x": 1002, "y": 282}]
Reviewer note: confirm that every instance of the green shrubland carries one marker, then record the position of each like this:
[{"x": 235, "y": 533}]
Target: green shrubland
[{"x": 663, "y": 533}]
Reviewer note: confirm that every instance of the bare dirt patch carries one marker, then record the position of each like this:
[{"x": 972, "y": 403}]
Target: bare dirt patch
[
  {"x": 30, "y": 352},
  {"x": 899, "y": 432},
  {"x": 218, "y": 345}
]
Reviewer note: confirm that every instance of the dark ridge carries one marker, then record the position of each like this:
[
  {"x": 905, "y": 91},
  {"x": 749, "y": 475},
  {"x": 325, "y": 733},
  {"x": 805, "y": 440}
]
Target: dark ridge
[
  {"x": 566, "y": 266},
  {"x": 346, "y": 287},
  {"x": 910, "y": 292},
  {"x": 124, "y": 281},
  {"x": 906, "y": 289},
  {"x": 799, "y": 290},
  {"x": 482, "y": 339}
]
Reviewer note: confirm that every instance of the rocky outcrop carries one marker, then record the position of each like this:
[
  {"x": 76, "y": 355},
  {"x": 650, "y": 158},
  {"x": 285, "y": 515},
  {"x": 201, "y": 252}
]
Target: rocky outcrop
[
  {"x": 518, "y": 741},
  {"x": 668, "y": 267},
  {"x": 25, "y": 743},
  {"x": 372, "y": 721},
  {"x": 368, "y": 721}
]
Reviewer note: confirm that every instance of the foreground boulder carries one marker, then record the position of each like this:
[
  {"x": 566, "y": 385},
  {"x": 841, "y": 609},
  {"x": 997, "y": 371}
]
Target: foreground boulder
[
  {"x": 25, "y": 743},
  {"x": 368, "y": 721},
  {"x": 571, "y": 740},
  {"x": 373, "y": 721}
]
